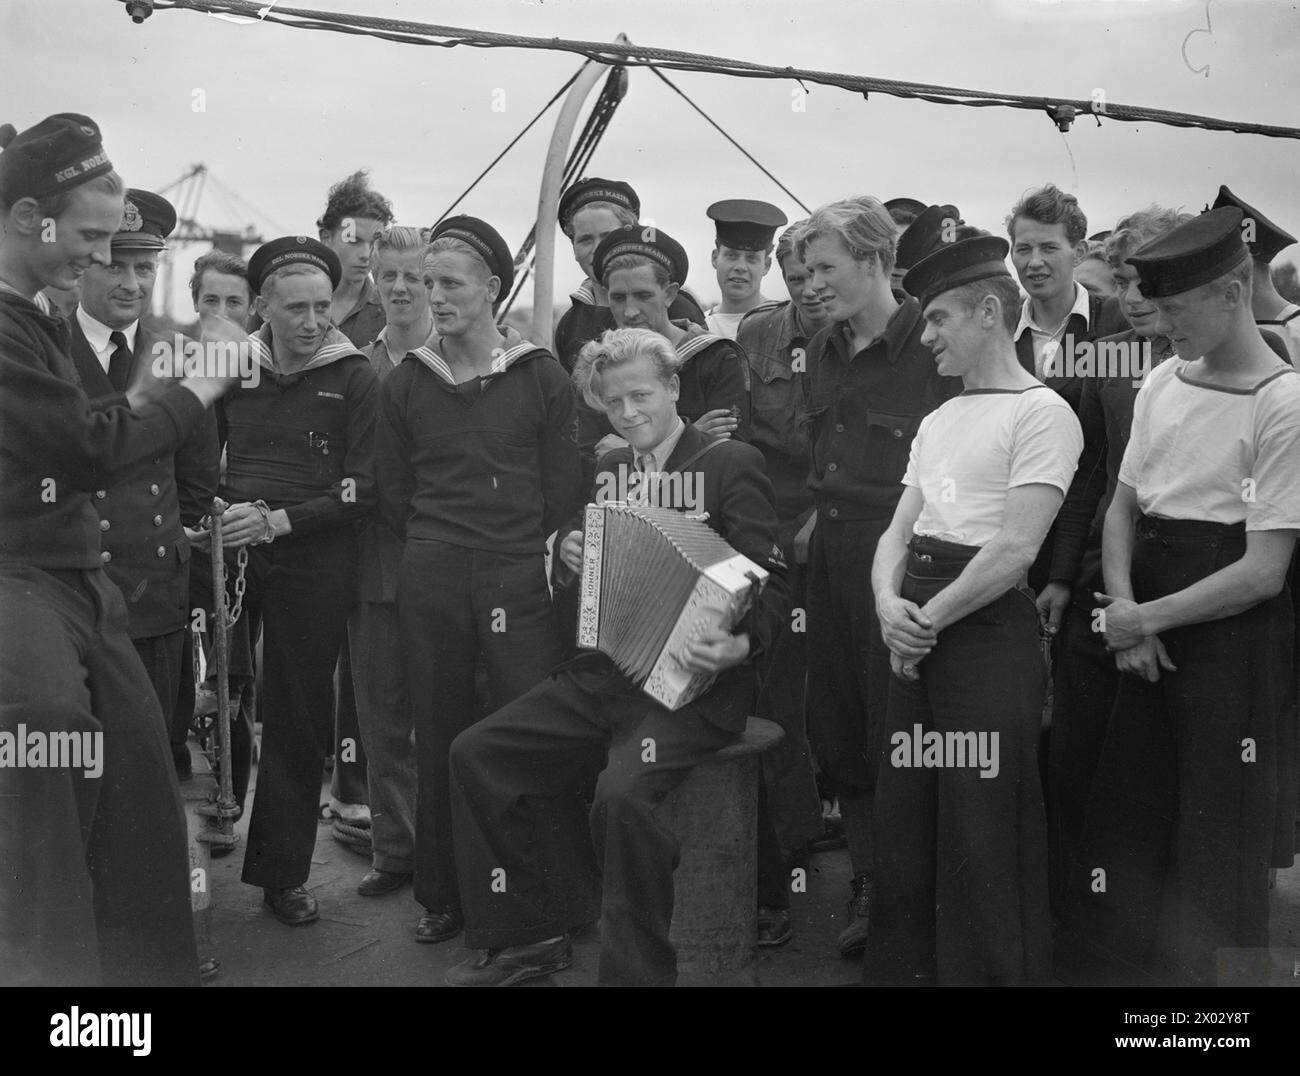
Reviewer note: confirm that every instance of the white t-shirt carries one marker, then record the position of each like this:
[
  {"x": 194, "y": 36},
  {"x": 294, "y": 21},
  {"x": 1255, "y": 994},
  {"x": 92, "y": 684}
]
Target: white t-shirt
[
  {"x": 977, "y": 446},
  {"x": 1219, "y": 455},
  {"x": 724, "y": 324}
]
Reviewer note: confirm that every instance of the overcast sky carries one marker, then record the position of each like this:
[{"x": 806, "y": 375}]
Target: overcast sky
[{"x": 289, "y": 111}]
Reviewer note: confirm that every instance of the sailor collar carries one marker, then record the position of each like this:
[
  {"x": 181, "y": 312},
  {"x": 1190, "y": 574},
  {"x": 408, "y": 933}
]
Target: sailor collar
[
  {"x": 335, "y": 346},
  {"x": 696, "y": 341},
  {"x": 515, "y": 349},
  {"x": 586, "y": 293}
]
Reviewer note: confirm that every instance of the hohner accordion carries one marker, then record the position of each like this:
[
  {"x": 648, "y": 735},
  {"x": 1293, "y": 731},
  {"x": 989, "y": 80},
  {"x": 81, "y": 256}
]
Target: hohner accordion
[{"x": 652, "y": 580}]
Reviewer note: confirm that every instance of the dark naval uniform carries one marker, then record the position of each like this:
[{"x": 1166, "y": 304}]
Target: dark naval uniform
[
  {"x": 585, "y": 320},
  {"x": 142, "y": 515},
  {"x": 94, "y": 886},
  {"x": 516, "y": 773},
  {"x": 472, "y": 477}
]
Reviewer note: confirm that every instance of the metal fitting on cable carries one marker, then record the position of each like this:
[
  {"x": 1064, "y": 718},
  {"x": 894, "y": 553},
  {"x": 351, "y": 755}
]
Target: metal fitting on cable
[
  {"x": 1063, "y": 116},
  {"x": 139, "y": 10}
]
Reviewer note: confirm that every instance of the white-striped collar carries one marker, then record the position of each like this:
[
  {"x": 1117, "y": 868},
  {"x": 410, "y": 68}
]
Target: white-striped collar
[
  {"x": 335, "y": 346},
  {"x": 693, "y": 345},
  {"x": 586, "y": 293},
  {"x": 515, "y": 348}
]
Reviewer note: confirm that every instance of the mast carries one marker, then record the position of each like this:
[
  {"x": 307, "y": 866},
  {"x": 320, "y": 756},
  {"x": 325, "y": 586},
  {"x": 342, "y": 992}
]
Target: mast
[{"x": 549, "y": 199}]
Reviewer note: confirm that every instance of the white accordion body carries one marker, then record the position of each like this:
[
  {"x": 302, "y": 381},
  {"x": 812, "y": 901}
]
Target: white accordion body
[{"x": 652, "y": 580}]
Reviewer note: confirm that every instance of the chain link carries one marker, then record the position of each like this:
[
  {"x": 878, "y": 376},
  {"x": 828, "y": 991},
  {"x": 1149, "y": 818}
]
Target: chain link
[{"x": 241, "y": 561}]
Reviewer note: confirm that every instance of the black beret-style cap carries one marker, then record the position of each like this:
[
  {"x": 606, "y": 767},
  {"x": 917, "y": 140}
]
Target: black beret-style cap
[
  {"x": 648, "y": 242},
  {"x": 292, "y": 250},
  {"x": 486, "y": 240},
  {"x": 744, "y": 224},
  {"x": 58, "y": 154},
  {"x": 933, "y": 227},
  {"x": 595, "y": 189},
  {"x": 147, "y": 220},
  {"x": 909, "y": 207},
  {"x": 1191, "y": 254},
  {"x": 1270, "y": 240},
  {"x": 953, "y": 264}
]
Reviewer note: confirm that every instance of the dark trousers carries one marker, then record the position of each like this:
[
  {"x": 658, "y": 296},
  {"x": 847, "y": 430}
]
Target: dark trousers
[
  {"x": 94, "y": 870},
  {"x": 161, "y": 656},
  {"x": 789, "y": 808},
  {"x": 348, "y": 781},
  {"x": 1179, "y": 831},
  {"x": 848, "y": 663},
  {"x": 385, "y": 719},
  {"x": 301, "y": 590},
  {"x": 1086, "y": 681},
  {"x": 458, "y": 607},
  {"x": 960, "y": 888},
  {"x": 524, "y": 852}
]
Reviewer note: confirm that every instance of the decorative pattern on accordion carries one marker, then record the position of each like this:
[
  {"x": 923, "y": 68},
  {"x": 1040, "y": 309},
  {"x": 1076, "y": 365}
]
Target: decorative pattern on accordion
[{"x": 652, "y": 580}]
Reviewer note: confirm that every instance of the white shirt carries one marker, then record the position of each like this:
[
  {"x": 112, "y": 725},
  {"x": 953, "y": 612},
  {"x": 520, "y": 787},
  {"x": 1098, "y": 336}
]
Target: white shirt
[
  {"x": 1048, "y": 341},
  {"x": 977, "y": 446},
  {"x": 726, "y": 325},
  {"x": 651, "y": 464},
  {"x": 1214, "y": 454},
  {"x": 98, "y": 336}
]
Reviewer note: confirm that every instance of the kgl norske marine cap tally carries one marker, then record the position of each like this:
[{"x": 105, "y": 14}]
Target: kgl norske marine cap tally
[
  {"x": 147, "y": 220},
  {"x": 648, "y": 242},
  {"x": 1270, "y": 240},
  {"x": 58, "y": 154},
  {"x": 964, "y": 262},
  {"x": 486, "y": 240},
  {"x": 292, "y": 250},
  {"x": 1191, "y": 254},
  {"x": 595, "y": 189},
  {"x": 744, "y": 224}
]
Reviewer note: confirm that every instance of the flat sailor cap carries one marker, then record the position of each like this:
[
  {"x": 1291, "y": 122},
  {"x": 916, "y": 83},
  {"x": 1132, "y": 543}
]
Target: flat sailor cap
[
  {"x": 1191, "y": 254},
  {"x": 1269, "y": 240},
  {"x": 292, "y": 250},
  {"x": 964, "y": 262},
  {"x": 60, "y": 153},
  {"x": 485, "y": 239},
  {"x": 745, "y": 224},
  {"x": 648, "y": 242},
  {"x": 595, "y": 189},
  {"x": 935, "y": 226}
]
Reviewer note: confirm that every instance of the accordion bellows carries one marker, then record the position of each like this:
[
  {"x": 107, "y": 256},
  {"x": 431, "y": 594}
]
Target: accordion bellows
[{"x": 652, "y": 580}]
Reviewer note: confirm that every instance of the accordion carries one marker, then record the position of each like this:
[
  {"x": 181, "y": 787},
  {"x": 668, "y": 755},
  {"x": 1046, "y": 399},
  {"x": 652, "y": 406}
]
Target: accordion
[{"x": 652, "y": 580}]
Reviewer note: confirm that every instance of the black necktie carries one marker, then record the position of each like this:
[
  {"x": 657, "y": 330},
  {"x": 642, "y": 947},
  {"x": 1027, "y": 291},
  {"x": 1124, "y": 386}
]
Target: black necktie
[{"x": 119, "y": 365}]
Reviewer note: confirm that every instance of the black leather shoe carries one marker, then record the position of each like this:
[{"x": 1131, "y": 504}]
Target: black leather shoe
[
  {"x": 774, "y": 927},
  {"x": 293, "y": 906},
  {"x": 853, "y": 938},
  {"x": 439, "y": 926},
  {"x": 376, "y": 882},
  {"x": 505, "y": 967}
]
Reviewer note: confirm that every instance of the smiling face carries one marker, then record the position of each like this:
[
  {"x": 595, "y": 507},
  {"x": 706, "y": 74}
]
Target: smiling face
[
  {"x": 842, "y": 282},
  {"x": 955, "y": 334},
  {"x": 118, "y": 293},
  {"x": 641, "y": 408},
  {"x": 1138, "y": 309},
  {"x": 798, "y": 282},
  {"x": 351, "y": 241},
  {"x": 1196, "y": 321},
  {"x": 297, "y": 307},
  {"x": 1043, "y": 257},
  {"x": 460, "y": 292},
  {"x": 740, "y": 272},
  {"x": 637, "y": 300},
  {"x": 61, "y": 251},
  {"x": 590, "y": 225},
  {"x": 399, "y": 275}
]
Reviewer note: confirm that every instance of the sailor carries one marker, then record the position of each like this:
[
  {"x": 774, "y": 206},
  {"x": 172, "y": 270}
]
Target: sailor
[
  {"x": 775, "y": 341},
  {"x": 477, "y": 466},
  {"x": 742, "y": 256},
  {"x": 517, "y": 773},
  {"x": 149, "y": 513},
  {"x": 642, "y": 269},
  {"x": 1180, "y": 824},
  {"x": 873, "y": 383},
  {"x": 1266, "y": 241},
  {"x": 588, "y": 211},
  {"x": 95, "y": 885},
  {"x": 299, "y": 478},
  {"x": 960, "y": 837}
]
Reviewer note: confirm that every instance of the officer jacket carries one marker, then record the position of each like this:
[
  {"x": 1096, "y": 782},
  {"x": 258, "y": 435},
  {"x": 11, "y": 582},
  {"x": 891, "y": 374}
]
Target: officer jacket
[
  {"x": 729, "y": 483},
  {"x": 58, "y": 447},
  {"x": 143, "y": 510}
]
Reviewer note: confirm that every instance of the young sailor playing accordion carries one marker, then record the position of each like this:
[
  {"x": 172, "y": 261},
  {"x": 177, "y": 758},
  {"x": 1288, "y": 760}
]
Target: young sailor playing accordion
[{"x": 516, "y": 774}]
